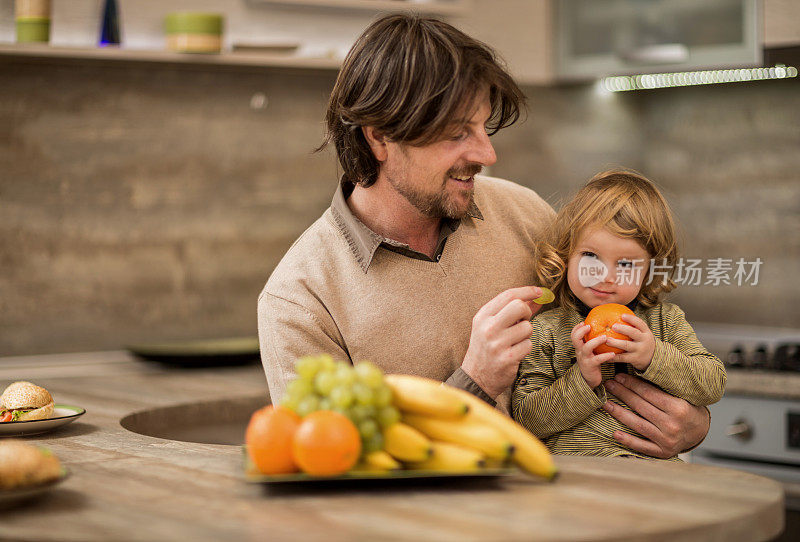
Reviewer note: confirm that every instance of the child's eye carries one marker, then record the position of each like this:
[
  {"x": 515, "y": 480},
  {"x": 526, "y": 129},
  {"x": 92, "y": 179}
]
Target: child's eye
[
  {"x": 590, "y": 254},
  {"x": 625, "y": 263}
]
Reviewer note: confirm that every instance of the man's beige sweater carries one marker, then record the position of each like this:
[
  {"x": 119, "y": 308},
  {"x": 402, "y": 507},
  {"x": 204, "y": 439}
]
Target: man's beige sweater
[{"x": 404, "y": 314}]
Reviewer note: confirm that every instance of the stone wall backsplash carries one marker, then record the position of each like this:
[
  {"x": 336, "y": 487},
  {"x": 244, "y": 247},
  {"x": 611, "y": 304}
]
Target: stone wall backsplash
[
  {"x": 725, "y": 156},
  {"x": 144, "y": 203}
]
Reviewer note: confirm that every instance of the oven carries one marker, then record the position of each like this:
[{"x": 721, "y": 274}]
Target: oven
[{"x": 756, "y": 425}]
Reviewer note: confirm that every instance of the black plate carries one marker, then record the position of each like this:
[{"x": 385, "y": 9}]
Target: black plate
[
  {"x": 382, "y": 477},
  {"x": 201, "y": 353},
  {"x": 366, "y": 479}
]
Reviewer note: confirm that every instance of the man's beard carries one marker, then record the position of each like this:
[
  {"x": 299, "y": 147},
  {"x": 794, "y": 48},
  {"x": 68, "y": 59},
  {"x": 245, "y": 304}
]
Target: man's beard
[{"x": 441, "y": 204}]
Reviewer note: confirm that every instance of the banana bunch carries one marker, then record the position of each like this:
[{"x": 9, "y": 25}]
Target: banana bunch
[{"x": 447, "y": 429}]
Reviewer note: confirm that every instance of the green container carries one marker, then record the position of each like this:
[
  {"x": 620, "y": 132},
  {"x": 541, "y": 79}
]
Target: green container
[
  {"x": 33, "y": 30},
  {"x": 194, "y": 23}
]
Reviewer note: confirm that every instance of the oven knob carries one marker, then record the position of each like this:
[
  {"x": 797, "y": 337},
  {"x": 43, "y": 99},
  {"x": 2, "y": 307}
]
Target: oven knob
[
  {"x": 735, "y": 357},
  {"x": 759, "y": 358},
  {"x": 740, "y": 429}
]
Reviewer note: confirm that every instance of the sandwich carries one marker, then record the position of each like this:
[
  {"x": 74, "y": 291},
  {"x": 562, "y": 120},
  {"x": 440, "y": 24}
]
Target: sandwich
[
  {"x": 23, "y": 401},
  {"x": 23, "y": 465}
]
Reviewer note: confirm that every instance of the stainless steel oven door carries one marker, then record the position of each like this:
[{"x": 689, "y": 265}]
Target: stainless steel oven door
[{"x": 757, "y": 435}]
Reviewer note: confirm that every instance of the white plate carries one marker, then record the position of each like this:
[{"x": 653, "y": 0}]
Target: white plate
[
  {"x": 62, "y": 415},
  {"x": 11, "y": 497}
]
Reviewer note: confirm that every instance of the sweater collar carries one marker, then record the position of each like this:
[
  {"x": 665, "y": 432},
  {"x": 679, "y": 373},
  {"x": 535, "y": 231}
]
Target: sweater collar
[
  {"x": 364, "y": 242},
  {"x": 583, "y": 309}
]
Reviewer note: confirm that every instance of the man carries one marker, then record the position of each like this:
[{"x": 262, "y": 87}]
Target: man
[{"x": 416, "y": 249}]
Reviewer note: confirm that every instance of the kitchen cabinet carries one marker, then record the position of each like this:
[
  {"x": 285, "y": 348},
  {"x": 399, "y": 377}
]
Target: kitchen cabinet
[
  {"x": 596, "y": 38},
  {"x": 521, "y": 31},
  {"x": 440, "y": 7},
  {"x": 528, "y": 36},
  {"x": 781, "y": 23}
]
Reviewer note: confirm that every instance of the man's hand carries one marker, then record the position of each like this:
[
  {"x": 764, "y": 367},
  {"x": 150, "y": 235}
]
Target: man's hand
[
  {"x": 670, "y": 424},
  {"x": 500, "y": 339},
  {"x": 588, "y": 362},
  {"x": 640, "y": 349}
]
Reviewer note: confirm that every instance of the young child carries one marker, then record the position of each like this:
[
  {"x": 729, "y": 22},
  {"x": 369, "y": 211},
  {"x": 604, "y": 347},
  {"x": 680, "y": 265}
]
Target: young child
[{"x": 619, "y": 223}]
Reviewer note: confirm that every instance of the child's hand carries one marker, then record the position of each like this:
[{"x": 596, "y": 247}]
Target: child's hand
[
  {"x": 589, "y": 362},
  {"x": 639, "y": 350}
]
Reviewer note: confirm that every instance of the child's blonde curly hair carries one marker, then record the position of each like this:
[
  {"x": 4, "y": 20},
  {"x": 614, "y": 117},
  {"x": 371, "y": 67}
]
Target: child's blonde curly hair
[{"x": 629, "y": 206}]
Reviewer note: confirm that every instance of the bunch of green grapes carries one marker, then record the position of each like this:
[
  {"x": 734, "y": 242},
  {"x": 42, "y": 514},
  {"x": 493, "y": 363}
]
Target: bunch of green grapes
[{"x": 357, "y": 392}]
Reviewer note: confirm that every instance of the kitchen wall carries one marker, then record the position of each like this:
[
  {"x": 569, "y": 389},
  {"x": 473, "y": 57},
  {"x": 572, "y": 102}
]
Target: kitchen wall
[
  {"x": 729, "y": 158},
  {"x": 149, "y": 203},
  {"x": 726, "y": 157},
  {"x": 143, "y": 202}
]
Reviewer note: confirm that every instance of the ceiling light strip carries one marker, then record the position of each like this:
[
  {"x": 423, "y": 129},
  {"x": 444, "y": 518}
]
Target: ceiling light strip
[{"x": 622, "y": 83}]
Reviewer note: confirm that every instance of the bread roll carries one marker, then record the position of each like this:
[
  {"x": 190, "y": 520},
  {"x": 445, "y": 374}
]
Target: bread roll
[{"x": 23, "y": 465}]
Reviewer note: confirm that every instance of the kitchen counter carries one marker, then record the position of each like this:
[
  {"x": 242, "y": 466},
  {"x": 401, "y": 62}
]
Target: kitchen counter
[
  {"x": 124, "y": 485},
  {"x": 769, "y": 384}
]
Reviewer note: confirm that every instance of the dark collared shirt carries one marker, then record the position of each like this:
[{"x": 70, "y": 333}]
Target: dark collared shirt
[{"x": 364, "y": 242}]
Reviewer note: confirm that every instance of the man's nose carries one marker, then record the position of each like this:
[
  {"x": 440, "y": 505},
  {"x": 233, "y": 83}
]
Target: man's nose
[{"x": 483, "y": 151}]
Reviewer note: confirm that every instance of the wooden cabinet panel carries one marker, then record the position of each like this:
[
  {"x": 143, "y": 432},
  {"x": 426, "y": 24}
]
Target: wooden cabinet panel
[
  {"x": 520, "y": 30},
  {"x": 781, "y": 23}
]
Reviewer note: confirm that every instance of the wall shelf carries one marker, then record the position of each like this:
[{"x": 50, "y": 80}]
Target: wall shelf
[
  {"x": 112, "y": 54},
  {"x": 433, "y": 7}
]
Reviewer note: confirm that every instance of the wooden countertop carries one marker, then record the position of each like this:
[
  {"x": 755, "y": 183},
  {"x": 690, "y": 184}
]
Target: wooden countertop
[{"x": 126, "y": 486}]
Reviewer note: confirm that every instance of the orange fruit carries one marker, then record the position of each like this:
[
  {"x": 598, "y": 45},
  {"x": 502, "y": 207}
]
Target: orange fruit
[
  {"x": 601, "y": 318},
  {"x": 269, "y": 439},
  {"x": 326, "y": 443}
]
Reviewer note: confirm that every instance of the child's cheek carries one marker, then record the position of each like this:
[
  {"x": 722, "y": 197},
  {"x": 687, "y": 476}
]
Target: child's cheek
[{"x": 573, "y": 282}]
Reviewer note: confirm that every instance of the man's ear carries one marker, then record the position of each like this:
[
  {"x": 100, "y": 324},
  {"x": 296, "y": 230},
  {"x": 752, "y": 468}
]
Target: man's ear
[{"x": 376, "y": 142}]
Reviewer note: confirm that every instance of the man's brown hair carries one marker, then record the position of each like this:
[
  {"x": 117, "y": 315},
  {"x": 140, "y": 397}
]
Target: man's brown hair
[{"x": 410, "y": 77}]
